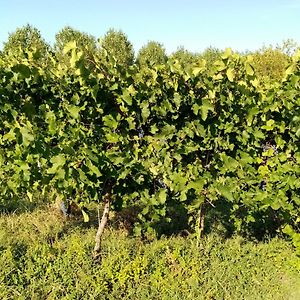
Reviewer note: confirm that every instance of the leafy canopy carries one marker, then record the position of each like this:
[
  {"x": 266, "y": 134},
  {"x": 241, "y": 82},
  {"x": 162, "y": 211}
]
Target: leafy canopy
[
  {"x": 150, "y": 54},
  {"x": 24, "y": 39},
  {"x": 116, "y": 45},
  {"x": 68, "y": 34}
]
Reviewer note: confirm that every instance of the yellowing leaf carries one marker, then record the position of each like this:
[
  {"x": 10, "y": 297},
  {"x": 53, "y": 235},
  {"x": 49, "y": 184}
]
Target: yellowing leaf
[
  {"x": 227, "y": 53},
  {"x": 69, "y": 46},
  {"x": 249, "y": 70},
  {"x": 86, "y": 217},
  {"x": 197, "y": 70},
  {"x": 230, "y": 74}
]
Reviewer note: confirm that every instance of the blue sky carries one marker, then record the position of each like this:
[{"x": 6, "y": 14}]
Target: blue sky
[{"x": 194, "y": 24}]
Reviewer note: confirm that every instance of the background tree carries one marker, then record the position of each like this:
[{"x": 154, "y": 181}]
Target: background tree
[
  {"x": 117, "y": 45},
  {"x": 289, "y": 47},
  {"x": 24, "y": 39},
  {"x": 152, "y": 53},
  {"x": 184, "y": 56},
  {"x": 211, "y": 55},
  {"x": 270, "y": 62},
  {"x": 84, "y": 41}
]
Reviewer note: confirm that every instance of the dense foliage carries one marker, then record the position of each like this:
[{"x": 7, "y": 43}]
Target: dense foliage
[{"x": 174, "y": 142}]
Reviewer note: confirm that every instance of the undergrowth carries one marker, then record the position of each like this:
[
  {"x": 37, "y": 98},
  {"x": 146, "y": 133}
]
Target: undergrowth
[{"x": 44, "y": 256}]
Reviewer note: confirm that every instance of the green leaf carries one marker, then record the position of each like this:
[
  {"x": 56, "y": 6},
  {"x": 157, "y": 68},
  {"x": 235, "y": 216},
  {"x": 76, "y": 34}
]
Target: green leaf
[
  {"x": 22, "y": 69},
  {"x": 263, "y": 170},
  {"x": 112, "y": 137},
  {"x": 177, "y": 99},
  {"x": 197, "y": 185},
  {"x": 51, "y": 120},
  {"x": 94, "y": 91},
  {"x": 205, "y": 108},
  {"x": 110, "y": 121},
  {"x": 114, "y": 87},
  {"x": 131, "y": 90},
  {"x": 127, "y": 97},
  {"x": 131, "y": 122},
  {"x": 162, "y": 196},
  {"x": 60, "y": 174},
  {"x": 27, "y": 136},
  {"x": 269, "y": 125},
  {"x": 253, "y": 112},
  {"x": 288, "y": 230},
  {"x": 10, "y": 136},
  {"x": 57, "y": 161},
  {"x": 145, "y": 113},
  {"x": 74, "y": 111},
  {"x": 196, "y": 204},
  {"x": 258, "y": 134},
  {"x": 225, "y": 192},
  {"x": 93, "y": 168}
]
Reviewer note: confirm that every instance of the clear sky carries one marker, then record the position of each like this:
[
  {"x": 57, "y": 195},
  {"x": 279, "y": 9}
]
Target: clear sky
[{"x": 194, "y": 24}]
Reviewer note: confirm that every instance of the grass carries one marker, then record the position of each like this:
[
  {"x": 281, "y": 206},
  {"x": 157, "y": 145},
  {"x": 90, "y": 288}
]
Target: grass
[{"x": 44, "y": 256}]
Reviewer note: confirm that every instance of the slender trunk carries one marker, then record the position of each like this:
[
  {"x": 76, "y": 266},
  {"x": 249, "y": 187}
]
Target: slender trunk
[
  {"x": 200, "y": 222},
  {"x": 102, "y": 223}
]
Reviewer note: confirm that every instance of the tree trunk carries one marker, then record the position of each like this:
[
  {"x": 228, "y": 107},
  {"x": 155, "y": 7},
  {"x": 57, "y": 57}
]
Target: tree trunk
[{"x": 102, "y": 223}]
